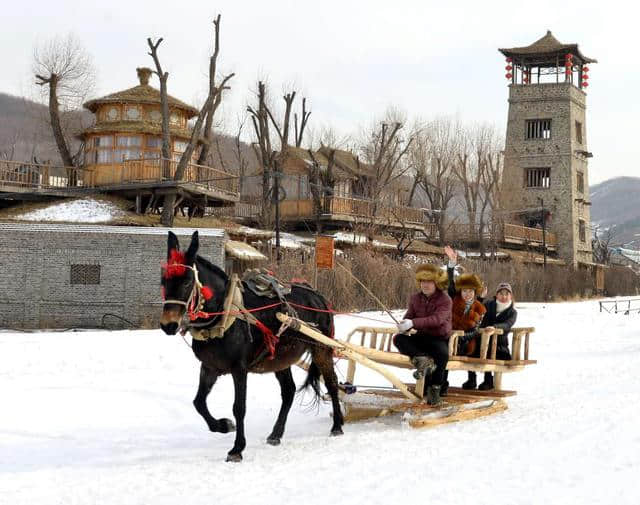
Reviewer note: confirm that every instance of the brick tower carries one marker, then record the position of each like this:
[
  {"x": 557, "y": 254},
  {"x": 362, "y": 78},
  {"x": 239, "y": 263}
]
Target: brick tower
[{"x": 545, "y": 178}]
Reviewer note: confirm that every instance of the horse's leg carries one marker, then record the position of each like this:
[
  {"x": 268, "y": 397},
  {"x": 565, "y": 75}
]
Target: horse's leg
[
  {"x": 239, "y": 409},
  {"x": 287, "y": 391},
  {"x": 207, "y": 380},
  {"x": 323, "y": 358}
]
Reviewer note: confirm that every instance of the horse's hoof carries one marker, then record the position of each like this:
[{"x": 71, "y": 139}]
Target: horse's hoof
[
  {"x": 273, "y": 441},
  {"x": 234, "y": 458},
  {"x": 226, "y": 425},
  {"x": 337, "y": 432}
]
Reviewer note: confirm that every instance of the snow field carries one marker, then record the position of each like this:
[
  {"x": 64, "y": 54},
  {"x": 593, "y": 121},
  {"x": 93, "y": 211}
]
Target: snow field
[{"x": 106, "y": 417}]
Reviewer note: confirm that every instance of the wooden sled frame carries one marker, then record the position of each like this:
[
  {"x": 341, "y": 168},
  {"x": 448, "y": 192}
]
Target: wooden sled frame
[
  {"x": 379, "y": 350},
  {"x": 407, "y": 398}
]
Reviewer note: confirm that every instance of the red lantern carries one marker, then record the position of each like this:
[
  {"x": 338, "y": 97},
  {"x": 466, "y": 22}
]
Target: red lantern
[
  {"x": 508, "y": 67},
  {"x": 585, "y": 84},
  {"x": 508, "y": 76},
  {"x": 509, "y": 59},
  {"x": 567, "y": 71},
  {"x": 568, "y": 56},
  {"x": 585, "y": 69},
  {"x": 585, "y": 77}
]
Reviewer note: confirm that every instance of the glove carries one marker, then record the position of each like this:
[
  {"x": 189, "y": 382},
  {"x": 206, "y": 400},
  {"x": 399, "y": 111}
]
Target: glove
[{"x": 405, "y": 325}]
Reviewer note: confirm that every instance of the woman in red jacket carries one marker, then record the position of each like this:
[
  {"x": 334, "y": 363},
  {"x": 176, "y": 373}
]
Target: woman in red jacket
[{"x": 429, "y": 313}]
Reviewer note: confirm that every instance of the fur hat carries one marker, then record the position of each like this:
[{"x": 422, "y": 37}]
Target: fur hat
[
  {"x": 469, "y": 281},
  {"x": 428, "y": 272}
]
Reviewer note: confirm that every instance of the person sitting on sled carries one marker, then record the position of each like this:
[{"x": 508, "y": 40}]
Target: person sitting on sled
[
  {"x": 501, "y": 314},
  {"x": 467, "y": 310},
  {"x": 429, "y": 314}
]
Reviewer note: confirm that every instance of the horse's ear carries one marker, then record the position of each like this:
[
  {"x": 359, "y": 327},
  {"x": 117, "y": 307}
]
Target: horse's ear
[
  {"x": 172, "y": 243},
  {"x": 193, "y": 248}
]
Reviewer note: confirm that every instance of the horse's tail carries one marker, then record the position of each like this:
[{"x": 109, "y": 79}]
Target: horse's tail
[{"x": 313, "y": 381}]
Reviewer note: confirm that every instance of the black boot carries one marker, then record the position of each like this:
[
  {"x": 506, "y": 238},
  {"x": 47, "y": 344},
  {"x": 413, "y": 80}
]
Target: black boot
[
  {"x": 433, "y": 395},
  {"x": 471, "y": 381},
  {"x": 444, "y": 389},
  {"x": 487, "y": 384},
  {"x": 425, "y": 366}
]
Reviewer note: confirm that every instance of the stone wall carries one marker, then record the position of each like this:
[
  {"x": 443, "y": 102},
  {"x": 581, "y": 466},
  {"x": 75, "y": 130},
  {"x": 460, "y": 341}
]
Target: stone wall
[
  {"x": 35, "y": 273},
  {"x": 565, "y": 105}
]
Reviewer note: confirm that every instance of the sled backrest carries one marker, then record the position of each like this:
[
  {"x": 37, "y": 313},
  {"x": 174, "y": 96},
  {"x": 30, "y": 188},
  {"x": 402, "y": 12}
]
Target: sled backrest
[{"x": 375, "y": 337}]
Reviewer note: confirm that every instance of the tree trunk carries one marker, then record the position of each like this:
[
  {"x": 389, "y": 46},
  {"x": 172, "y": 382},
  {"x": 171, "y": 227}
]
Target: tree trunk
[{"x": 54, "y": 114}]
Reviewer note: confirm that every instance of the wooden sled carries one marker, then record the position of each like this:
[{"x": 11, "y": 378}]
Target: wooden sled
[{"x": 406, "y": 399}]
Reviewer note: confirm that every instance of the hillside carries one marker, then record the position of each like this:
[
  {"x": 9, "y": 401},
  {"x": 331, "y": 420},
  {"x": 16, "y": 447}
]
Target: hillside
[{"x": 617, "y": 202}]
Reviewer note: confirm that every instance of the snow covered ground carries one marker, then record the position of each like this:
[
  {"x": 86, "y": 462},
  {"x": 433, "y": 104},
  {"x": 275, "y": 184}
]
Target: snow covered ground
[
  {"x": 85, "y": 210},
  {"x": 106, "y": 418}
]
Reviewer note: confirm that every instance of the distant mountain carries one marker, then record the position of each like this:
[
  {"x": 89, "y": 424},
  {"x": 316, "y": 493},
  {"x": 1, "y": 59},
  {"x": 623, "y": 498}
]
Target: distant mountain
[
  {"x": 25, "y": 131},
  {"x": 616, "y": 202}
]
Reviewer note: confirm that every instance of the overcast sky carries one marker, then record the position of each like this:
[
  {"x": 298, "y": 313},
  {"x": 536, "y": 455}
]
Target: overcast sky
[{"x": 352, "y": 59}]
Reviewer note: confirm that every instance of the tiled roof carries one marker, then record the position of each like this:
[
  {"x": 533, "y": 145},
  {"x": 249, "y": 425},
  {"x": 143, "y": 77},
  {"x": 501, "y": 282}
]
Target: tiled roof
[{"x": 546, "y": 45}]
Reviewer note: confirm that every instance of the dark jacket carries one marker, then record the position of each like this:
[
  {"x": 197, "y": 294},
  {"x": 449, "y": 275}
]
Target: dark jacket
[
  {"x": 504, "y": 321},
  {"x": 431, "y": 315}
]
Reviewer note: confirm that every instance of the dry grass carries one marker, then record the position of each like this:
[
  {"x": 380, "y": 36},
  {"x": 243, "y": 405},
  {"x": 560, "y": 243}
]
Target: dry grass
[{"x": 393, "y": 282}]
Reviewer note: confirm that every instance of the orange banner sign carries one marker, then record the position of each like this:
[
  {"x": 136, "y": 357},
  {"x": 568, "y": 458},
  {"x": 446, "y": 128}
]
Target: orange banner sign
[{"x": 324, "y": 252}]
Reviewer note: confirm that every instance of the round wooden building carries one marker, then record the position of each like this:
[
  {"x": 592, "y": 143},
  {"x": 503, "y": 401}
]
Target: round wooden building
[
  {"x": 129, "y": 127},
  {"x": 123, "y": 149}
]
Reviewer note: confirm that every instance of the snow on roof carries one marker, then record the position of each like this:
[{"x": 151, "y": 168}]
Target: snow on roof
[
  {"x": 251, "y": 232},
  {"x": 242, "y": 251},
  {"x": 118, "y": 230},
  {"x": 291, "y": 241},
  {"x": 355, "y": 238},
  {"x": 86, "y": 210}
]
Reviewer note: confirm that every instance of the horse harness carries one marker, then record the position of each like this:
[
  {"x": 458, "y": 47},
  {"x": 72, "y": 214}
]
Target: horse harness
[{"x": 258, "y": 282}]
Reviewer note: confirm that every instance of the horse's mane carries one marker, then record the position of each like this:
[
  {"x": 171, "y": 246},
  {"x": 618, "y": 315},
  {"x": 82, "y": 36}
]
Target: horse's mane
[{"x": 216, "y": 269}]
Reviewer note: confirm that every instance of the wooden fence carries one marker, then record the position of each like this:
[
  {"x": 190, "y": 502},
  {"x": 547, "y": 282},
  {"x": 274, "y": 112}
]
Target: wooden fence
[{"x": 36, "y": 176}]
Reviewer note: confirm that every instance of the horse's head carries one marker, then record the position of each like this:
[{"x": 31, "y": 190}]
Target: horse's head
[{"x": 177, "y": 282}]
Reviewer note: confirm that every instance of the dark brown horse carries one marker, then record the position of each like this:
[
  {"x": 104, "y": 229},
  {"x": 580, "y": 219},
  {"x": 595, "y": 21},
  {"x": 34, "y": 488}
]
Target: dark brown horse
[{"x": 241, "y": 349}]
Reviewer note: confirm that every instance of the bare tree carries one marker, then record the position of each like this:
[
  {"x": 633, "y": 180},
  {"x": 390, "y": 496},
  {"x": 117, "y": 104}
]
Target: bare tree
[
  {"x": 213, "y": 97},
  {"x": 475, "y": 169},
  {"x": 432, "y": 156},
  {"x": 213, "y": 90},
  {"x": 601, "y": 244},
  {"x": 271, "y": 131},
  {"x": 385, "y": 149},
  {"x": 63, "y": 65}
]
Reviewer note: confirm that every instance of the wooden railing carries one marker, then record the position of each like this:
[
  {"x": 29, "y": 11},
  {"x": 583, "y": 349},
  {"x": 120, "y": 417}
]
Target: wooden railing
[
  {"x": 368, "y": 209},
  {"x": 38, "y": 176},
  {"x": 158, "y": 170},
  {"x": 524, "y": 234}
]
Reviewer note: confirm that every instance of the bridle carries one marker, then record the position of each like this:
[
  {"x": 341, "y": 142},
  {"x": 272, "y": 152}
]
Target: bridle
[{"x": 195, "y": 302}]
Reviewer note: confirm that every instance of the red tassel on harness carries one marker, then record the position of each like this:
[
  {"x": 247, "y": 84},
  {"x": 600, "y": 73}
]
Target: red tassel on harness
[
  {"x": 174, "y": 267},
  {"x": 270, "y": 340},
  {"x": 206, "y": 292}
]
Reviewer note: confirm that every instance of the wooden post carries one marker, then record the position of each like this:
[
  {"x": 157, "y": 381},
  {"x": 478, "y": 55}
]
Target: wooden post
[{"x": 497, "y": 381}]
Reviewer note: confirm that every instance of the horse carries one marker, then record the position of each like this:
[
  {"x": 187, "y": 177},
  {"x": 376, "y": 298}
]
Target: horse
[{"x": 240, "y": 350}]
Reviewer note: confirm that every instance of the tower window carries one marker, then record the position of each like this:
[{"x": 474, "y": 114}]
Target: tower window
[
  {"x": 580, "y": 182},
  {"x": 579, "y": 132},
  {"x": 538, "y": 129},
  {"x": 538, "y": 177},
  {"x": 582, "y": 234}
]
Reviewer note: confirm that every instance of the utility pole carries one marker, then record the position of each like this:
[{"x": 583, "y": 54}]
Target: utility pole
[
  {"x": 276, "y": 196},
  {"x": 544, "y": 234}
]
